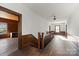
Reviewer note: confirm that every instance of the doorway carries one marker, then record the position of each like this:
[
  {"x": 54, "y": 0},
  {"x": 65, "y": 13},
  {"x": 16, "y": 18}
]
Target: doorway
[
  {"x": 57, "y": 28},
  {"x": 3, "y": 9}
]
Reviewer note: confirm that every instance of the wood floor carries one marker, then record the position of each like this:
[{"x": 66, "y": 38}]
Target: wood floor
[
  {"x": 8, "y": 45},
  {"x": 59, "y": 46}
]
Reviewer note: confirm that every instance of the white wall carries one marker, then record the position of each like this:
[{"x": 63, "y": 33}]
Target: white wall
[
  {"x": 73, "y": 22},
  {"x": 44, "y": 25},
  {"x": 32, "y": 23}
]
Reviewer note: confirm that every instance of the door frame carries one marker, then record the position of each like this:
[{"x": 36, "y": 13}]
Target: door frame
[
  {"x": 19, "y": 23},
  {"x": 55, "y": 28}
]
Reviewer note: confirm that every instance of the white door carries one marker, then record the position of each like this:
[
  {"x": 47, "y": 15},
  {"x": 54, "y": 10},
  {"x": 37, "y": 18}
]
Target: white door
[{"x": 57, "y": 28}]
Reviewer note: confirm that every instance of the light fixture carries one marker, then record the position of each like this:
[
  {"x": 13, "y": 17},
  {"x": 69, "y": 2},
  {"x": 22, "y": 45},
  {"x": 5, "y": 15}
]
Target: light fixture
[{"x": 54, "y": 18}]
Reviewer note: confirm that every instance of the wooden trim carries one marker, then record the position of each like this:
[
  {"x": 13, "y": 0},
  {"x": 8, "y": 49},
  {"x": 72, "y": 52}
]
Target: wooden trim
[
  {"x": 20, "y": 32},
  {"x": 9, "y": 11},
  {"x": 39, "y": 40},
  {"x": 5, "y": 36},
  {"x": 19, "y": 25},
  {"x": 7, "y": 19}
]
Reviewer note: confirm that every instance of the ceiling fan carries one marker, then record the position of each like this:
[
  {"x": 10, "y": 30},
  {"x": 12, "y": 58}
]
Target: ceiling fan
[{"x": 54, "y": 18}]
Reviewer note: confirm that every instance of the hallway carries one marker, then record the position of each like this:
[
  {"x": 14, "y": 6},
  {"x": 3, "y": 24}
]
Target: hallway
[
  {"x": 59, "y": 46},
  {"x": 63, "y": 46}
]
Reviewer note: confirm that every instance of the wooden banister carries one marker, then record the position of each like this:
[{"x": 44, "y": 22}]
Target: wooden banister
[
  {"x": 42, "y": 41},
  {"x": 39, "y": 40}
]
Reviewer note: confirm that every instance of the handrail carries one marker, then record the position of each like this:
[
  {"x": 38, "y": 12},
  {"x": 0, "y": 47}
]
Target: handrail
[{"x": 42, "y": 39}]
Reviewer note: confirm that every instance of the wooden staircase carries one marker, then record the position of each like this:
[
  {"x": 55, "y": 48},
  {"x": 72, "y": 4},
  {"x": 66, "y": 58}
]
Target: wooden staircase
[
  {"x": 40, "y": 43},
  {"x": 29, "y": 40}
]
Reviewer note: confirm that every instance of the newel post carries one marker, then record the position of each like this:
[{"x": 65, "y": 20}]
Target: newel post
[
  {"x": 39, "y": 40},
  {"x": 42, "y": 40}
]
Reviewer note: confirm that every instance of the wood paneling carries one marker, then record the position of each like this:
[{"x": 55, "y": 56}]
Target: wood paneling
[
  {"x": 28, "y": 40},
  {"x": 12, "y": 25},
  {"x": 4, "y": 36},
  {"x": 7, "y": 15}
]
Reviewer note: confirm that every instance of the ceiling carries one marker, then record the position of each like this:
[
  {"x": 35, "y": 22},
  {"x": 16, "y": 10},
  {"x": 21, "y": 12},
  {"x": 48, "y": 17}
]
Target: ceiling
[{"x": 48, "y": 10}]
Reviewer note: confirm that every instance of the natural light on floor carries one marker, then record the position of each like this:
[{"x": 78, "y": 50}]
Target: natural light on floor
[{"x": 69, "y": 38}]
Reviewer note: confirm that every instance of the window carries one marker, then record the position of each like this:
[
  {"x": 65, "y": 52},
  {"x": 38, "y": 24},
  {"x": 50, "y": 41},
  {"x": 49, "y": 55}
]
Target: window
[
  {"x": 3, "y": 28},
  {"x": 57, "y": 28}
]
